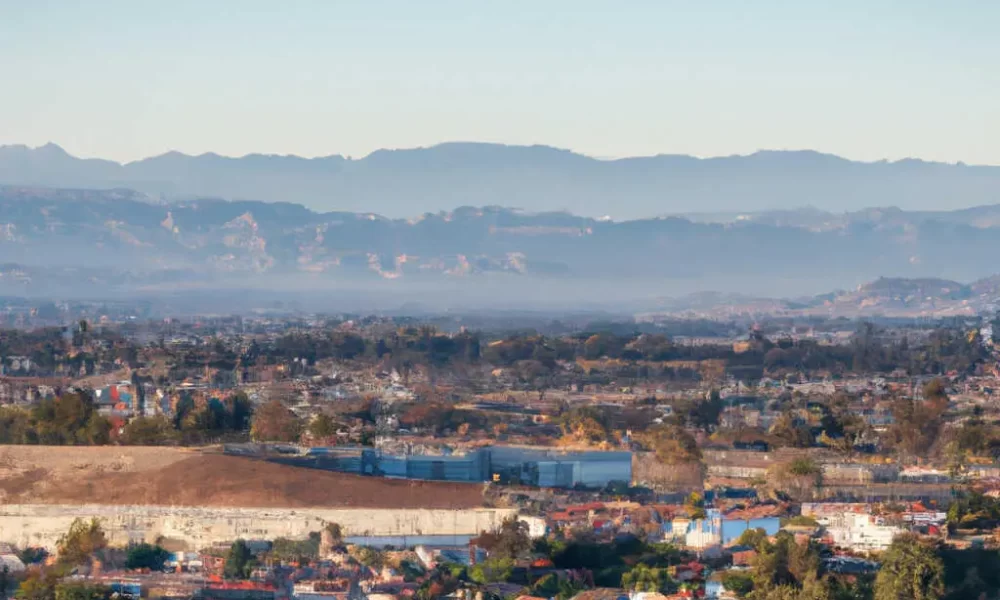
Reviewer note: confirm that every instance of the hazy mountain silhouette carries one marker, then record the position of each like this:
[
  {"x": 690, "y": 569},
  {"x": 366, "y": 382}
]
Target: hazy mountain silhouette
[
  {"x": 400, "y": 183},
  {"x": 117, "y": 238}
]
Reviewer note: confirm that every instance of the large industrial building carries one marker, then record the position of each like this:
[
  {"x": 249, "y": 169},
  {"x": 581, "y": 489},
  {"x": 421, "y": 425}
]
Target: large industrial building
[{"x": 542, "y": 467}]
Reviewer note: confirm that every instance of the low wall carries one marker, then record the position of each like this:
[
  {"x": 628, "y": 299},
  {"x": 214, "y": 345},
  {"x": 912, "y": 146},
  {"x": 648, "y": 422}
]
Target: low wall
[{"x": 43, "y": 525}]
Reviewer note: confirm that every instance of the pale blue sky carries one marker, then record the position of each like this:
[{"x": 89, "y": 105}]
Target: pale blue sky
[{"x": 867, "y": 79}]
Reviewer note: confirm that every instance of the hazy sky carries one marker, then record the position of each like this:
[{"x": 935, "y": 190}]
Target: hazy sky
[{"x": 867, "y": 79}]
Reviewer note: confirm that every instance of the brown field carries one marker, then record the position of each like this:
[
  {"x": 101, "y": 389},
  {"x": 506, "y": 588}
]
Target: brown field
[{"x": 182, "y": 477}]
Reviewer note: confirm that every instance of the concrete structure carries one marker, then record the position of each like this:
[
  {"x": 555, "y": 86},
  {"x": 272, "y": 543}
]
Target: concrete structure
[
  {"x": 542, "y": 467},
  {"x": 859, "y": 473},
  {"x": 861, "y": 532},
  {"x": 704, "y": 533},
  {"x": 716, "y": 530},
  {"x": 42, "y": 525},
  {"x": 822, "y": 512},
  {"x": 547, "y": 467}
]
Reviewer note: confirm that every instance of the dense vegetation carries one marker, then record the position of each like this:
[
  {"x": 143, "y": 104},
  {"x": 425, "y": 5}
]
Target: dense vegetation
[
  {"x": 72, "y": 419},
  {"x": 605, "y": 351}
]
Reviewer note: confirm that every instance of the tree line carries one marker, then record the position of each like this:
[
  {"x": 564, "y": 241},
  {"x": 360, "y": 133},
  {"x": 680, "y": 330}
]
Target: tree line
[
  {"x": 646, "y": 355},
  {"x": 73, "y": 419}
]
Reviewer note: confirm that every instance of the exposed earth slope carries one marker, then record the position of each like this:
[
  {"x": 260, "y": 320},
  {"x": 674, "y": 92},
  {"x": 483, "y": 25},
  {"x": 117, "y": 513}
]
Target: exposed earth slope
[{"x": 180, "y": 477}]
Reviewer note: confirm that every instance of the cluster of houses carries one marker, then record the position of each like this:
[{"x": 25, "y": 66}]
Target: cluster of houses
[
  {"x": 854, "y": 532},
  {"x": 851, "y": 527},
  {"x": 711, "y": 532}
]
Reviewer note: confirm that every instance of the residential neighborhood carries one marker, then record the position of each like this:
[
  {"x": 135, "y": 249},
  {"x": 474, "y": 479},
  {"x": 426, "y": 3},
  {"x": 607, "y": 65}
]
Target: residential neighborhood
[{"x": 606, "y": 465}]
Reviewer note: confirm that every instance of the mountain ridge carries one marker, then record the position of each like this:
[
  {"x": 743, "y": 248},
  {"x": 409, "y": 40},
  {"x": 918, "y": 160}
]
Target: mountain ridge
[
  {"x": 551, "y": 254},
  {"x": 881, "y": 297},
  {"x": 460, "y": 144},
  {"x": 403, "y": 182}
]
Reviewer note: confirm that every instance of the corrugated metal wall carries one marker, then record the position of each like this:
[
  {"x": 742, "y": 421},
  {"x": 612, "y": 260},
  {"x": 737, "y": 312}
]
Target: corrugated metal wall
[
  {"x": 557, "y": 469},
  {"x": 466, "y": 468},
  {"x": 393, "y": 466},
  {"x": 530, "y": 466},
  {"x": 600, "y": 473}
]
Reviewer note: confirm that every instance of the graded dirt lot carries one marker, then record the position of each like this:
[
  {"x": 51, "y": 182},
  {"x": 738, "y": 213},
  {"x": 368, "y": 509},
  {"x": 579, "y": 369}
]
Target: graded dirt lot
[{"x": 187, "y": 477}]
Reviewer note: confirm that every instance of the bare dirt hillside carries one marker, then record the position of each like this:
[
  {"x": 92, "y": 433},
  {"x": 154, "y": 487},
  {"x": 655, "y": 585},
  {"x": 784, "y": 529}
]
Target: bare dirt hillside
[{"x": 113, "y": 475}]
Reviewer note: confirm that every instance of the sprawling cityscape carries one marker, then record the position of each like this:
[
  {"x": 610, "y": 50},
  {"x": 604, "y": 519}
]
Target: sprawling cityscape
[
  {"x": 561, "y": 300},
  {"x": 351, "y": 456}
]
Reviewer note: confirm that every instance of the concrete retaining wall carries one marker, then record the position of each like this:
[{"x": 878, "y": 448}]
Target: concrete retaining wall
[{"x": 42, "y": 525}]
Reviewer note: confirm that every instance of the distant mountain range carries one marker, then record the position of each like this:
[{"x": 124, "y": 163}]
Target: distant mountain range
[
  {"x": 885, "y": 296},
  {"x": 404, "y": 183},
  {"x": 58, "y": 241}
]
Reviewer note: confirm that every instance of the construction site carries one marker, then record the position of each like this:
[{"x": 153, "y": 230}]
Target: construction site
[{"x": 195, "y": 498}]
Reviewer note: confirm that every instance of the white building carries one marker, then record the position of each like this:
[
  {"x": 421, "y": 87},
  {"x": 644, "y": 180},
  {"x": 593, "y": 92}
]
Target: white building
[
  {"x": 537, "y": 526},
  {"x": 861, "y": 532},
  {"x": 703, "y": 534}
]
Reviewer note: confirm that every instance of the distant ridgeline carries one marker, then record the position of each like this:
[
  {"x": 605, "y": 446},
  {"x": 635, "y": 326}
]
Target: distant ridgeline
[{"x": 96, "y": 243}]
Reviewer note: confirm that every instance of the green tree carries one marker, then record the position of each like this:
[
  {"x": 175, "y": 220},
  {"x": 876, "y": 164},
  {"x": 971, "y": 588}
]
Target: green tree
[
  {"x": 239, "y": 561},
  {"x": 910, "y": 570},
  {"x": 642, "y": 578},
  {"x": 695, "y": 505},
  {"x": 15, "y": 425},
  {"x": 970, "y": 572},
  {"x": 843, "y": 429},
  {"x": 146, "y": 556},
  {"x": 701, "y": 414},
  {"x": 239, "y": 412},
  {"x": 82, "y": 591},
  {"x": 755, "y": 538},
  {"x": 790, "y": 433},
  {"x": 370, "y": 557},
  {"x": 38, "y": 585},
  {"x": 509, "y": 540},
  {"x": 973, "y": 510},
  {"x": 70, "y": 419},
  {"x": 492, "y": 570},
  {"x": 287, "y": 550},
  {"x": 546, "y": 586},
  {"x": 738, "y": 582},
  {"x": 804, "y": 467},
  {"x": 585, "y": 424},
  {"x": 336, "y": 533},
  {"x": 411, "y": 570},
  {"x": 322, "y": 427},
  {"x": 150, "y": 431},
  {"x": 814, "y": 588},
  {"x": 918, "y": 423},
  {"x": 936, "y": 389},
  {"x": 81, "y": 542},
  {"x": 603, "y": 345},
  {"x": 672, "y": 444},
  {"x": 786, "y": 569},
  {"x": 861, "y": 587}
]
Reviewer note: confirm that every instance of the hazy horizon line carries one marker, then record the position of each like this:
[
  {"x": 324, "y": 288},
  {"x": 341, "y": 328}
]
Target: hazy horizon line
[{"x": 596, "y": 157}]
